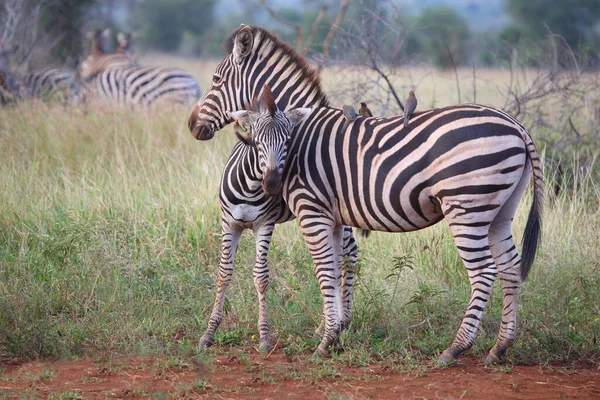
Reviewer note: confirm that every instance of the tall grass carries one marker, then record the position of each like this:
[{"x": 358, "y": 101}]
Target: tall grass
[{"x": 110, "y": 241}]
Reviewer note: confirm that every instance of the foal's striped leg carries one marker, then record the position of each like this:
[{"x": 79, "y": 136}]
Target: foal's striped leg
[
  {"x": 230, "y": 241},
  {"x": 260, "y": 274}
]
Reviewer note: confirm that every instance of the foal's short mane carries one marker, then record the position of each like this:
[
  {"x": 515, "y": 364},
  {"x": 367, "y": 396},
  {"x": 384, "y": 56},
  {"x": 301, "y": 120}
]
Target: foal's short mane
[
  {"x": 308, "y": 72},
  {"x": 264, "y": 102}
]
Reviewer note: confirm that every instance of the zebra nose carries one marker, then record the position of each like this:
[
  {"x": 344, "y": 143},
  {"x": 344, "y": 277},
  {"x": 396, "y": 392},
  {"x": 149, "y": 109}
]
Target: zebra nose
[
  {"x": 200, "y": 129},
  {"x": 271, "y": 182}
]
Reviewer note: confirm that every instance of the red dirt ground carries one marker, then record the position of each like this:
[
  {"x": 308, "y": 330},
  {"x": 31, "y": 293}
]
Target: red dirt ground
[{"x": 274, "y": 377}]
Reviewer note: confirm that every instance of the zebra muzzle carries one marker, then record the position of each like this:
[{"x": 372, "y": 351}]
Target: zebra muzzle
[
  {"x": 202, "y": 131},
  {"x": 271, "y": 182}
]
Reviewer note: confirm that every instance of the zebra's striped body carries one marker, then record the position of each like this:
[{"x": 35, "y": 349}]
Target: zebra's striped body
[
  {"x": 52, "y": 83},
  {"x": 55, "y": 83},
  {"x": 469, "y": 164},
  {"x": 143, "y": 86}
]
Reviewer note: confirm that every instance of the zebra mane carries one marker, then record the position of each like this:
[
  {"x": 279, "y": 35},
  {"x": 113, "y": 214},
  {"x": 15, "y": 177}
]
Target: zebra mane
[{"x": 264, "y": 37}]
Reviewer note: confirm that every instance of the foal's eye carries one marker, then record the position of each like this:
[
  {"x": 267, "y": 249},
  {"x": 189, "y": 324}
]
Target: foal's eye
[{"x": 216, "y": 78}]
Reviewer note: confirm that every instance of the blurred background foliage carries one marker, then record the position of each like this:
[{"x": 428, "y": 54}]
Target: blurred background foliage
[{"x": 481, "y": 32}]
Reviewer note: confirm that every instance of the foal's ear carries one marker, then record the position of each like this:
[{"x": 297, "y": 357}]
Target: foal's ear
[
  {"x": 242, "y": 45},
  {"x": 298, "y": 115}
]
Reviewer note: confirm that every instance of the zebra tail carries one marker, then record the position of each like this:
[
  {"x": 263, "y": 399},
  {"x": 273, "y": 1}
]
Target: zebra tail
[
  {"x": 532, "y": 236},
  {"x": 363, "y": 232}
]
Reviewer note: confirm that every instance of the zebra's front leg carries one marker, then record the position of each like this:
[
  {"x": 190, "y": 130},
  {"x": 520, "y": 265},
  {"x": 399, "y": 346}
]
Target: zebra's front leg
[
  {"x": 260, "y": 274},
  {"x": 473, "y": 248},
  {"x": 325, "y": 245},
  {"x": 230, "y": 240},
  {"x": 350, "y": 255}
]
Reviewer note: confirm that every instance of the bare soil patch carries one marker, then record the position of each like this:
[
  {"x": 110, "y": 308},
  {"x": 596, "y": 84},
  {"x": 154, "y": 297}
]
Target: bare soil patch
[{"x": 274, "y": 377}]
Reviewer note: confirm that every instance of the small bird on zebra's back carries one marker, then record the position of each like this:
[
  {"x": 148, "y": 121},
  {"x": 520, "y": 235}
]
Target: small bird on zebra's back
[
  {"x": 409, "y": 107},
  {"x": 364, "y": 111}
]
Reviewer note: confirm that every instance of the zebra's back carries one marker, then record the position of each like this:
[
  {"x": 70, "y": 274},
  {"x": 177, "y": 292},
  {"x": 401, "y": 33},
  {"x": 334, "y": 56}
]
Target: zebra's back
[{"x": 144, "y": 86}]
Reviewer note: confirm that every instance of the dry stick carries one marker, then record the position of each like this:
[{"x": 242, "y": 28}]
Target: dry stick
[
  {"x": 376, "y": 68},
  {"x": 315, "y": 28},
  {"x": 297, "y": 27},
  {"x": 334, "y": 27},
  {"x": 474, "y": 85},
  {"x": 455, "y": 72}
]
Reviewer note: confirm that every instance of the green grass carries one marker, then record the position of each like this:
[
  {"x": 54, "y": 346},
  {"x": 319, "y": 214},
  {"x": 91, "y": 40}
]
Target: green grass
[{"x": 110, "y": 241}]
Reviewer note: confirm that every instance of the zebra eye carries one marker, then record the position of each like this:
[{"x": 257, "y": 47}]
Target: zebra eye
[{"x": 216, "y": 78}]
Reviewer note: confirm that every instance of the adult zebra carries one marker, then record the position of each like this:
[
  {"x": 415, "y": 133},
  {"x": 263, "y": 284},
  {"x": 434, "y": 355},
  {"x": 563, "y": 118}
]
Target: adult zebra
[
  {"x": 469, "y": 164},
  {"x": 118, "y": 78},
  {"x": 143, "y": 86}
]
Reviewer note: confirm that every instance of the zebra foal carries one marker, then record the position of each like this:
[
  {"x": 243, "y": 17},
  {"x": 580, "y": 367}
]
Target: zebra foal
[{"x": 469, "y": 164}]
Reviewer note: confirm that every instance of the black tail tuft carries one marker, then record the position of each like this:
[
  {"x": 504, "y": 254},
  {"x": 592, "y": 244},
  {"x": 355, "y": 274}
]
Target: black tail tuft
[
  {"x": 363, "y": 232},
  {"x": 531, "y": 236}
]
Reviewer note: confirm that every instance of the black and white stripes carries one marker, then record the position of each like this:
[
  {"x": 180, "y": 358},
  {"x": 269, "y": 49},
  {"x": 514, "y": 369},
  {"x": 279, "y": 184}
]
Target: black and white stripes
[
  {"x": 143, "y": 86},
  {"x": 468, "y": 164}
]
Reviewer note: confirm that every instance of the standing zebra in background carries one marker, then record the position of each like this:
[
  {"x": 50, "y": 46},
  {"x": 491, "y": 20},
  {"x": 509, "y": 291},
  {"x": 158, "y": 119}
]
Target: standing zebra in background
[
  {"x": 47, "y": 84},
  {"x": 117, "y": 77},
  {"x": 469, "y": 164}
]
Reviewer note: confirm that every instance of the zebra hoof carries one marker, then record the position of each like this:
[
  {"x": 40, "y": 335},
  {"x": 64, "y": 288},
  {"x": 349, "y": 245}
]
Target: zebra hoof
[
  {"x": 320, "y": 329},
  {"x": 206, "y": 341},
  {"x": 447, "y": 359},
  {"x": 320, "y": 352},
  {"x": 495, "y": 357},
  {"x": 264, "y": 347}
]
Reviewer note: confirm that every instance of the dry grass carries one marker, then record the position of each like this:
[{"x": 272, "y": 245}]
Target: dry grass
[{"x": 110, "y": 239}]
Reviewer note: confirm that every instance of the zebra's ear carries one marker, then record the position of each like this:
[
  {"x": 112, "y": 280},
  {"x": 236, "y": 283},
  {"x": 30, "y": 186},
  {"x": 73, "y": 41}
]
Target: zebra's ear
[
  {"x": 242, "y": 45},
  {"x": 298, "y": 115}
]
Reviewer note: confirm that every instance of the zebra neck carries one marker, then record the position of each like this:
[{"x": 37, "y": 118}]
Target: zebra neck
[
  {"x": 245, "y": 166},
  {"x": 292, "y": 80}
]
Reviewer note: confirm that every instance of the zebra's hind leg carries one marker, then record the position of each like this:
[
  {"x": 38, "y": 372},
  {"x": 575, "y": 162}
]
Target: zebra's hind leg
[
  {"x": 260, "y": 274},
  {"x": 509, "y": 269},
  {"x": 230, "y": 241},
  {"x": 470, "y": 224}
]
